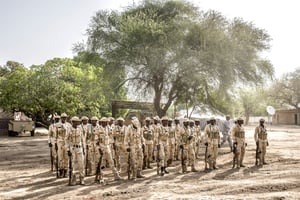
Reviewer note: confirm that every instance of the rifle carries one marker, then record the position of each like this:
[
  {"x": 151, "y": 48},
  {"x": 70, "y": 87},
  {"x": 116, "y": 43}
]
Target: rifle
[
  {"x": 158, "y": 159},
  {"x": 51, "y": 158},
  {"x": 129, "y": 164},
  {"x": 206, "y": 157},
  {"x": 182, "y": 160},
  {"x": 98, "y": 171},
  {"x": 257, "y": 153},
  {"x": 114, "y": 154},
  {"x": 86, "y": 159},
  {"x": 70, "y": 170},
  {"x": 56, "y": 158},
  {"x": 234, "y": 151}
]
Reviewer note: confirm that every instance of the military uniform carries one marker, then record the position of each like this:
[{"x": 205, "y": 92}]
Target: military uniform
[
  {"x": 60, "y": 137},
  {"x": 171, "y": 142},
  {"x": 111, "y": 126},
  {"x": 238, "y": 137},
  {"x": 91, "y": 148},
  {"x": 135, "y": 140},
  {"x": 261, "y": 139},
  {"x": 185, "y": 137},
  {"x": 102, "y": 143},
  {"x": 162, "y": 144},
  {"x": 198, "y": 137},
  {"x": 148, "y": 134},
  {"x": 212, "y": 140},
  {"x": 51, "y": 139},
  {"x": 177, "y": 139},
  {"x": 118, "y": 134},
  {"x": 225, "y": 132},
  {"x": 75, "y": 145},
  {"x": 156, "y": 127}
]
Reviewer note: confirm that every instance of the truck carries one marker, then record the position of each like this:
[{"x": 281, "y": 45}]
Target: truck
[{"x": 17, "y": 127}]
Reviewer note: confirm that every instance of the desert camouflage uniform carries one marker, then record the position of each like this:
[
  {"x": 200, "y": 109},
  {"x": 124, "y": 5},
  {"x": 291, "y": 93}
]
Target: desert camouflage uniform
[
  {"x": 51, "y": 139},
  {"x": 198, "y": 139},
  {"x": 212, "y": 139},
  {"x": 102, "y": 142},
  {"x": 238, "y": 137},
  {"x": 177, "y": 141},
  {"x": 91, "y": 147},
  {"x": 172, "y": 144},
  {"x": 148, "y": 134},
  {"x": 135, "y": 140},
  {"x": 75, "y": 144},
  {"x": 162, "y": 141},
  {"x": 261, "y": 138},
  {"x": 118, "y": 134}
]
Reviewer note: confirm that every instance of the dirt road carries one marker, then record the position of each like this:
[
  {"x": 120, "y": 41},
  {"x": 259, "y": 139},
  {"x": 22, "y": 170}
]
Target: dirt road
[{"x": 25, "y": 174}]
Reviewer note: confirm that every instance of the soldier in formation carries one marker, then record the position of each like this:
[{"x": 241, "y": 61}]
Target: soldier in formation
[
  {"x": 261, "y": 140},
  {"x": 238, "y": 137}
]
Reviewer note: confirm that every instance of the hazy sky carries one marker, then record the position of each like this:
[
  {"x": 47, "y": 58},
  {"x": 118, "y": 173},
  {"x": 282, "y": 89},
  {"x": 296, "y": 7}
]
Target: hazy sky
[{"x": 33, "y": 31}]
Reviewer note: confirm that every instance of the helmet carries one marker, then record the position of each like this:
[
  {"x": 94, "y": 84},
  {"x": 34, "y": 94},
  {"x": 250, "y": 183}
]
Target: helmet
[{"x": 75, "y": 119}]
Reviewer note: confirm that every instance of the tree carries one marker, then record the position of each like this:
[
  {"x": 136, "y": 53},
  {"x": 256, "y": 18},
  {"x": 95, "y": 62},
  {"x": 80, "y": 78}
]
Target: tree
[
  {"x": 170, "y": 50},
  {"x": 286, "y": 90}
]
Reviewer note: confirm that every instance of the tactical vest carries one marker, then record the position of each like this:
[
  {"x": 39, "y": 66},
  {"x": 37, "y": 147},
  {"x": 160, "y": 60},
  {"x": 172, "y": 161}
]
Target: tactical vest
[
  {"x": 75, "y": 136},
  {"x": 91, "y": 134},
  {"x": 103, "y": 137},
  {"x": 262, "y": 135},
  {"x": 147, "y": 133},
  {"x": 172, "y": 133},
  {"x": 120, "y": 133},
  {"x": 185, "y": 136},
  {"x": 213, "y": 135},
  {"x": 240, "y": 134},
  {"x": 164, "y": 134}
]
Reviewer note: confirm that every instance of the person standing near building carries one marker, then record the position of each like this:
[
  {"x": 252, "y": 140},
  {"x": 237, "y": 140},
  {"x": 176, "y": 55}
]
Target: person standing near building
[{"x": 261, "y": 140}]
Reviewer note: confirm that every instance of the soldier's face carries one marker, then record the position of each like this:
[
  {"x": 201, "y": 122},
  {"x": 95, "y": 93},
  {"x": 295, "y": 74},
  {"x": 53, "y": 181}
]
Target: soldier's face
[
  {"x": 84, "y": 121},
  {"x": 197, "y": 123},
  {"x": 170, "y": 123},
  {"x": 176, "y": 122},
  {"x": 75, "y": 124},
  {"x": 164, "y": 123},
  {"x": 104, "y": 124},
  {"x": 63, "y": 119},
  {"x": 185, "y": 124},
  {"x": 240, "y": 122},
  {"x": 94, "y": 122},
  {"x": 147, "y": 123},
  {"x": 191, "y": 124},
  {"x": 120, "y": 123},
  {"x": 212, "y": 122},
  {"x": 57, "y": 120}
]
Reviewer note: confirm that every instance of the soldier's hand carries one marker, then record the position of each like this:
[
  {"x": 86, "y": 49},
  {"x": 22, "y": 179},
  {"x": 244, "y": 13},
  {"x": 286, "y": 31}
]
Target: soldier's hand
[
  {"x": 143, "y": 146},
  {"x": 219, "y": 145},
  {"x": 69, "y": 153},
  {"x": 246, "y": 144},
  {"x": 257, "y": 143},
  {"x": 190, "y": 137},
  {"x": 128, "y": 149},
  {"x": 267, "y": 143},
  {"x": 50, "y": 145},
  {"x": 181, "y": 146},
  {"x": 206, "y": 143},
  {"x": 56, "y": 147}
]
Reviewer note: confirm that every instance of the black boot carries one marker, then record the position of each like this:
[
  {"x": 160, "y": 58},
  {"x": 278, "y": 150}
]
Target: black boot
[
  {"x": 165, "y": 170},
  {"x": 162, "y": 171}
]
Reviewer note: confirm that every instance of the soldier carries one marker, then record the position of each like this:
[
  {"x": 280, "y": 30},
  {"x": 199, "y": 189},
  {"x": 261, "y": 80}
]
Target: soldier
[
  {"x": 177, "y": 130},
  {"x": 60, "y": 136},
  {"x": 186, "y": 145},
  {"x": 110, "y": 126},
  {"x": 102, "y": 142},
  {"x": 156, "y": 126},
  {"x": 171, "y": 142},
  {"x": 118, "y": 134},
  {"x": 148, "y": 134},
  {"x": 135, "y": 140},
  {"x": 212, "y": 141},
  {"x": 91, "y": 148},
  {"x": 238, "y": 137},
  {"x": 261, "y": 140},
  {"x": 194, "y": 134},
  {"x": 75, "y": 146},
  {"x": 198, "y": 137},
  {"x": 51, "y": 141},
  {"x": 225, "y": 132}
]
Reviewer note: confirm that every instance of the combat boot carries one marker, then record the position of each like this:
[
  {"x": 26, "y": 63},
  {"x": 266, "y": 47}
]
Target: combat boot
[
  {"x": 194, "y": 169},
  {"x": 139, "y": 174},
  {"x": 162, "y": 171},
  {"x": 60, "y": 173},
  {"x": 81, "y": 181},
  {"x": 165, "y": 170},
  {"x": 65, "y": 173},
  {"x": 148, "y": 165},
  {"x": 184, "y": 168},
  {"x": 73, "y": 180}
]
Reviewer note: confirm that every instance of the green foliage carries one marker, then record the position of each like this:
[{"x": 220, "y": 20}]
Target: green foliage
[{"x": 171, "y": 51}]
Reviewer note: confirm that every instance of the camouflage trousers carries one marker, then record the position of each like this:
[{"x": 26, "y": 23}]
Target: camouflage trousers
[
  {"x": 62, "y": 155},
  {"x": 77, "y": 161}
]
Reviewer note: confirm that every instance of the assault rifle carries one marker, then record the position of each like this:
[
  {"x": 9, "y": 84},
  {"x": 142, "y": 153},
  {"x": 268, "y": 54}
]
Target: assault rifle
[
  {"x": 157, "y": 159},
  {"x": 234, "y": 151},
  {"x": 257, "y": 153},
  {"x": 70, "y": 169},
  {"x": 98, "y": 171},
  {"x": 129, "y": 163}
]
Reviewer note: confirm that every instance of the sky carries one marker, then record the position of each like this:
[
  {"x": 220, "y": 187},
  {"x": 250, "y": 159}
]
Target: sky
[{"x": 34, "y": 31}]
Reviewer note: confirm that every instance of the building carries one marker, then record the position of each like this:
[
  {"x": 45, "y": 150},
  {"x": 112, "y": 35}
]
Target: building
[{"x": 287, "y": 117}]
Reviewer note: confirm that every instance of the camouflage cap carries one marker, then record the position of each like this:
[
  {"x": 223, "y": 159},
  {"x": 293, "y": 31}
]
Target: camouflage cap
[
  {"x": 120, "y": 119},
  {"x": 111, "y": 118},
  {"x": 103, "y": 119},
  {"x": 239, "y": 119},
  {"x": 156, "y": 118},
  {"x": 170, "y": 119},
  {"x": 185, "y": 120},
  {"x": 262, "y": 120},
  {"x": 64, "y": 115},
  {"x": 75, "y": 119},
  {"x": 212, "y": 118},
  {"x": 147, "y": 119},
  {"x": 94, "y": 118},
  {"x": 164, "y": 118},
  {"x": 135, "y": 121},
  {"x": 84, "y": 118},
  {"x": 191, "y": 121},
  {"x": 197, "y": 120},
  {"x": 56, "y": 117}
]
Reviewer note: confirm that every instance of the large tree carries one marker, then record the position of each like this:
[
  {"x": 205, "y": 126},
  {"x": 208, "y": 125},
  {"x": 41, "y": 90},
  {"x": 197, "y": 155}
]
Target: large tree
[
  {"x": 286, "y": 90},
  {"x": 172, "y": 51}
]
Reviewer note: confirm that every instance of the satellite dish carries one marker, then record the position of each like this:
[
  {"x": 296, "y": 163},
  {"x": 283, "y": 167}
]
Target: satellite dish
[{"x": 270, "y": 110}]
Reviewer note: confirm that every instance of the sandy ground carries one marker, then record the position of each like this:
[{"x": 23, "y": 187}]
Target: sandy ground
[{"x": 25, "y": 174}]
